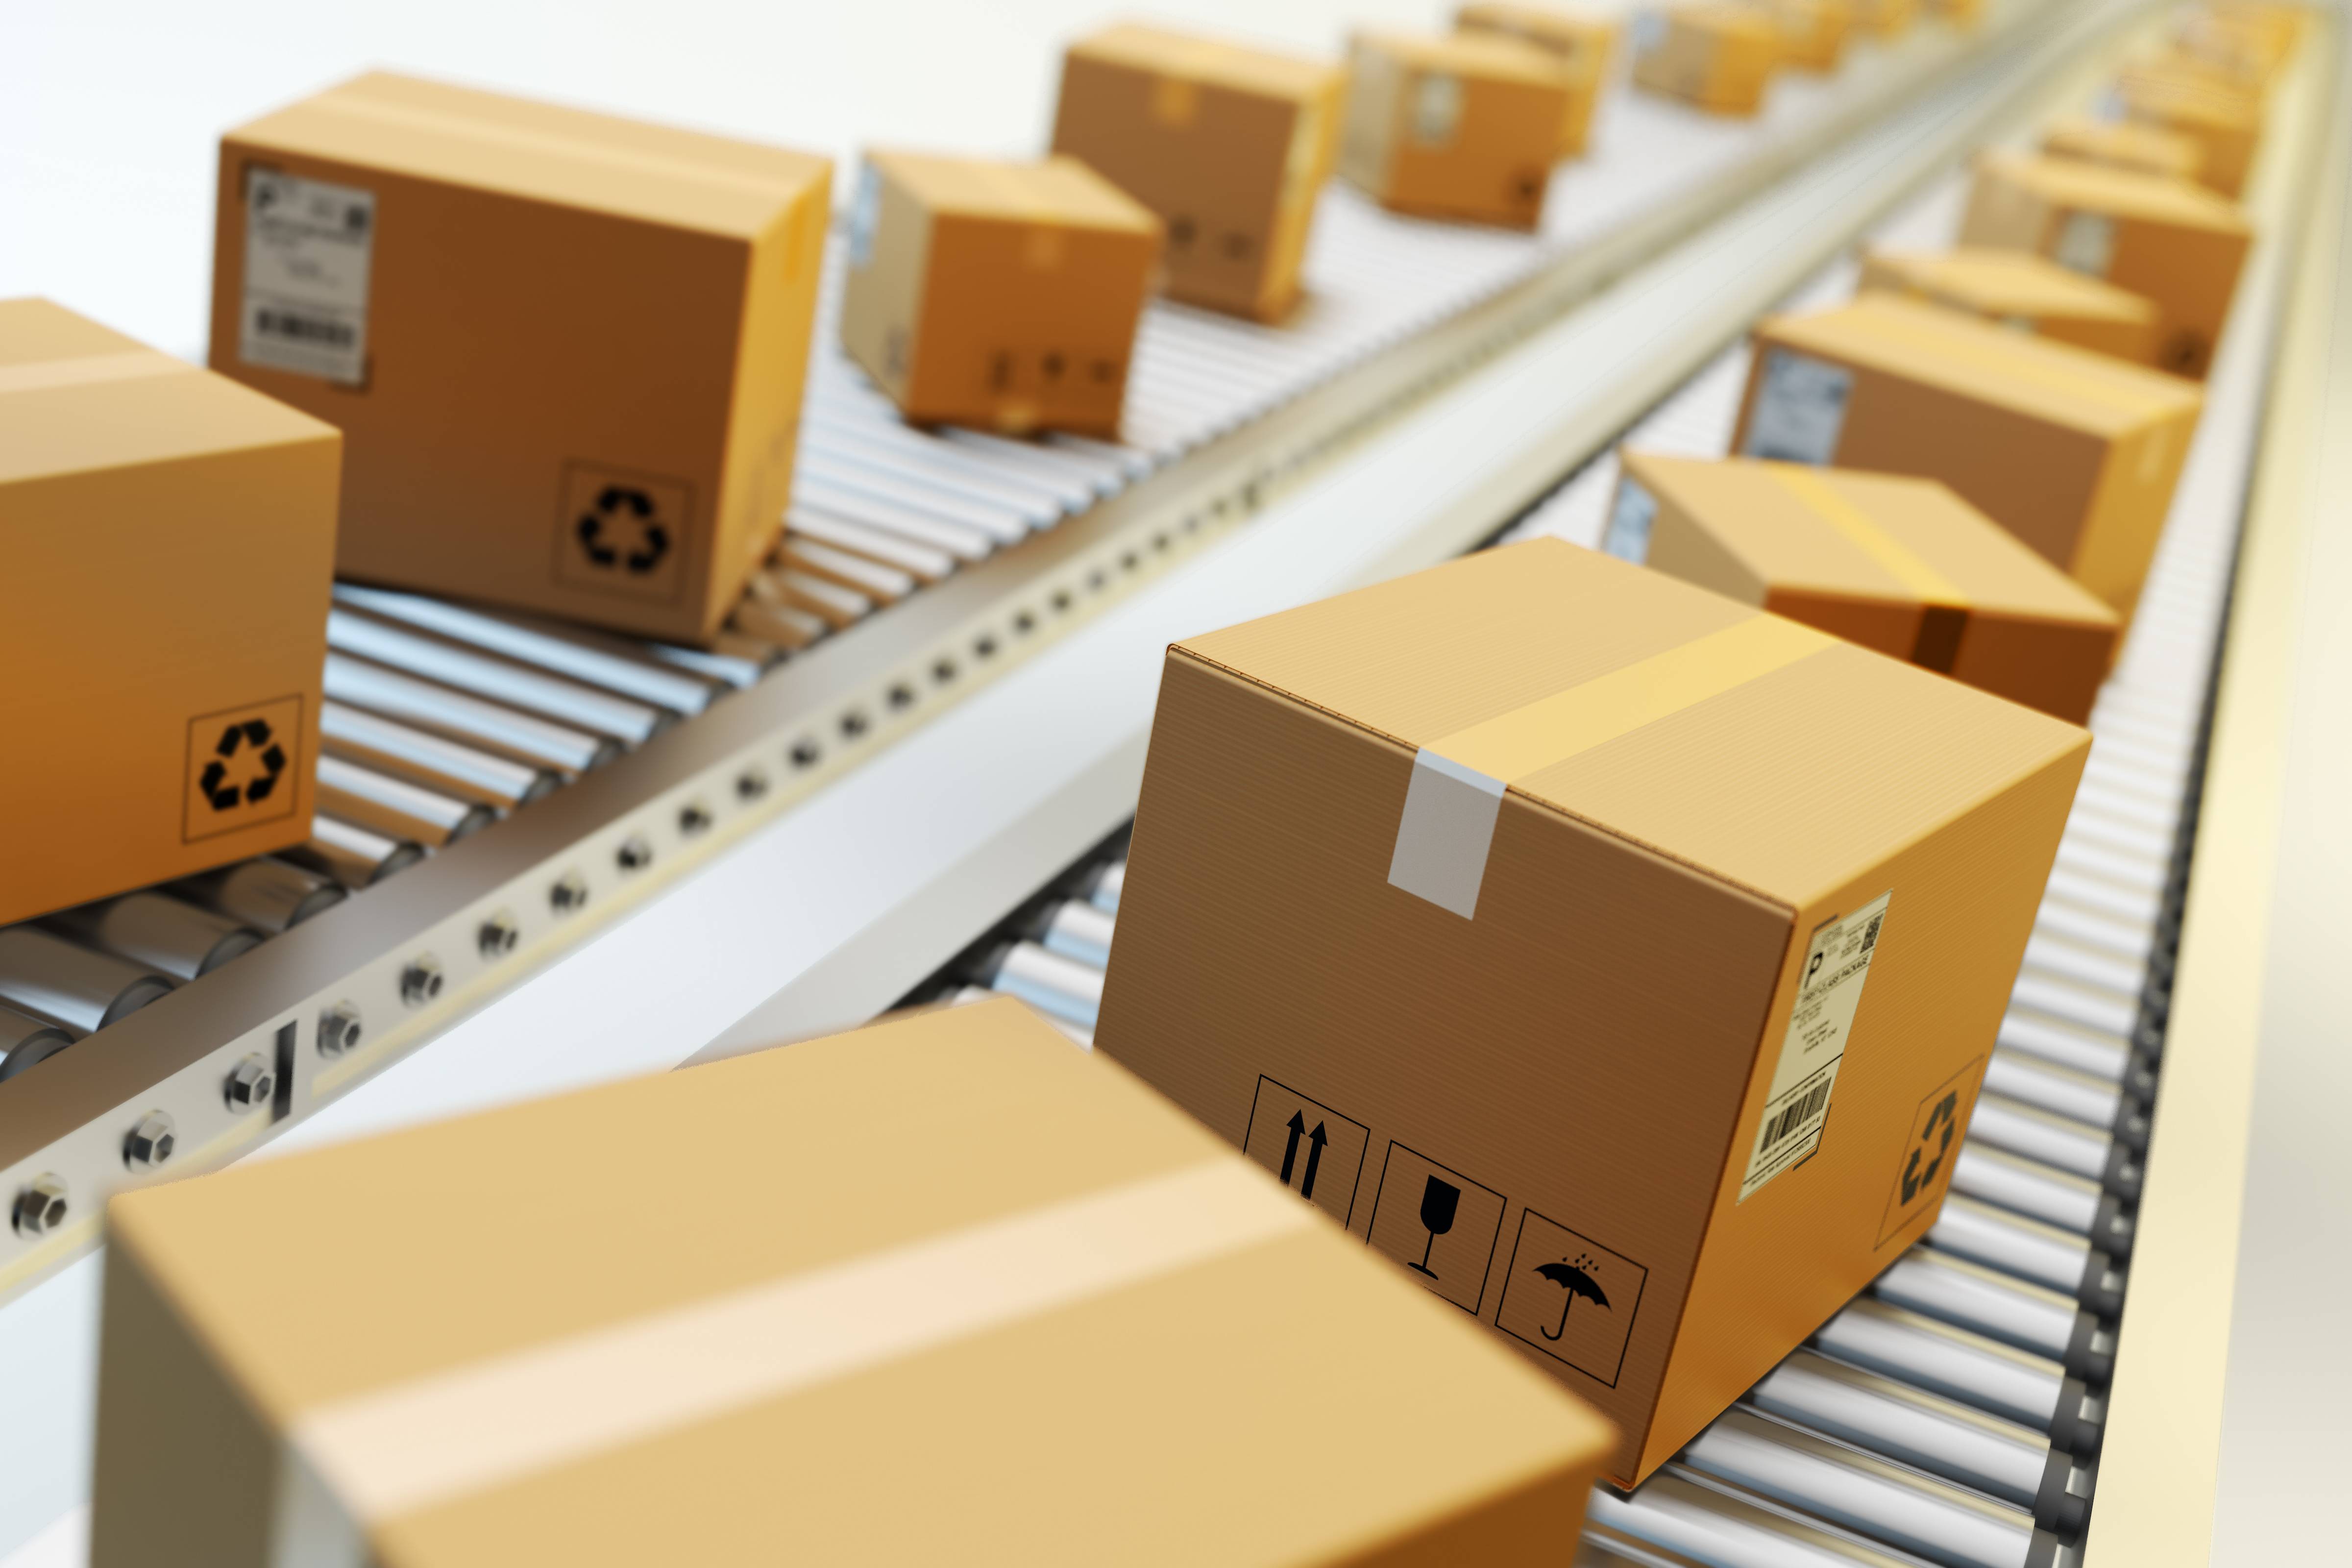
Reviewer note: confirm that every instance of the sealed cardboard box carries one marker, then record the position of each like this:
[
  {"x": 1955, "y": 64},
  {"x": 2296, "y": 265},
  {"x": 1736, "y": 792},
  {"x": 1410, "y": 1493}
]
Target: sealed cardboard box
[
  {"x": 999, "y": 295},
  {"x": 1459, "y": 126},
  {"x": 1585, "y": 44},
  {"x": 2174, "y": 244},
  {"x": 898, "y": 1296},
  {"x": 1900, "y": 565},
  {"x": 566, "y": 349},
  {"x": 1719, "y": 57},
  {"x": 2227, "y": 126},
  {"x": 1635, "y": 949},
  {"x": 1813, "y": 33},
  {"x": 1885, "y": 20},
  {"x": 170, "y": 541},
  {"x": 2122, "y": 145},
  {"x": 2018, "y": 289},
  {"x": 2074, "y": 453},
  {"x": 1962, "y": 13},
  {"x": 1229, "y": 145}
]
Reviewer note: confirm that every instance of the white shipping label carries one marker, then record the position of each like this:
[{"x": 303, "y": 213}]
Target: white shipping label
[
  {"x": 1799, "y": 409},
  {"x": 1837, "y": 962},
  {"x": 1437, "y": 108},
  {"x": 1649, "y": 31},
  {"x": 307, "y": 248},
  {"x": 1628, "y": 537},
  {"x": 864, "y": 211},
  {"x": 2086, "y": 244}
]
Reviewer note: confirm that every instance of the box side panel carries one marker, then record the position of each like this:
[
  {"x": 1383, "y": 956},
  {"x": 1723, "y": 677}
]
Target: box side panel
[
  {"x": 1314, "y": 150},
  {"x": 1373, "y": 118},
  {"x": 1545, "y": 1086},
  {"x": 2134, "y": 341},
  {"x": 889, "y": 252},
  {"x": 1477, "y": 148},
  {"x": 212, "y": 574},
  {"x": 1777, "y": 1266},
  {"x": 2191, "y": 274},
  {"x": 2054, "y": 666},
  {"x": 1889, "y": 625},
  {"x": 2134, "y": 497}
]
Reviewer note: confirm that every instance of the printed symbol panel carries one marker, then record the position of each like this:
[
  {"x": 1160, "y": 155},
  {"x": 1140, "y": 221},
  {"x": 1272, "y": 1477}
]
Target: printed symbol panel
[
  {"x": 1317, "y": 1153},
  {"x": 1438, "y": 1223},
  {"x": 244, "y": 767},
  {"x": 1570, "y": 1298},
  {"x": 621, "y": 533},
  {"x": 1926, "y": 1168}
]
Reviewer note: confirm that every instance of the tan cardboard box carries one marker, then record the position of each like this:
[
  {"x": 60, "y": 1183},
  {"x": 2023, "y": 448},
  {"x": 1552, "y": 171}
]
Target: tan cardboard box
[
  {"x": 1454, "y": 126},
  {"x": 1885, "y": 20},
  {"x": 1549, "y": 887},
  {"x": 2240, "y": 47},
  {"x": 2227, "y": 126},
  {"x": 170, "y": 541},
  {"x": 1584, "y": 44},
  {"x": 2122, "y": 144},
  {"x": 1900, "y": 565},
  {"x": 2177, "y": 244},
  {"x": 999, "y": 295},
  {"x": 1962, "y": 13},
  {"x": 1229, "y": 145},
  {"x": 1719, "y": 57},
  {"x": 566, "y": 349},
  {"x": 943, "y": 1290},
  {"x": 2019, "y": 289},
  {"x": 2074, "y": 453},
  {"x": 1813, "y": 33}
]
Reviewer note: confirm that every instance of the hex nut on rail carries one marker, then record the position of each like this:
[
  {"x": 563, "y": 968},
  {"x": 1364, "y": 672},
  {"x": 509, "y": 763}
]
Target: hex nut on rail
[
  {"x": 499, "y": 935},
  {"x": 635, "y": 854},
  {"x": 339, "y": 1030},
  {"x": 570, "y": 892},
  {"x": 149, "y": 1143},
  {"x": 252, "y": 1082},
  {"x": 41, "y": 1206},
  {"x": 420, "y": 982}
]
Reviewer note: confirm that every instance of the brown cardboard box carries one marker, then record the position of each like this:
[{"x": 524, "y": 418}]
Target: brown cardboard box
[
  {"x": 2074, "y": 453},
  {"x": 566, "y": 349},
  {"x": 999, "y": 295},
  {"x": 2122, "y": 144},
  {"x": 943, "y": 1290},
  {"x": 2227, "y": 126},
  {"x": 1900, "y": 565},
  {"x": 1885, "y": 20},
  {"x": 1459, "y": 126},
  {"x": 1962, "y": 13},
  {"x": 1812, "y": 32},
  {"x": 2177, "y": 244},
  {"x": 1230, "y": 146},
  {"x": 1719, "y": 57},
  {"x": 1585, "y": 44},
  {"x": 1511, "y": 874},
  {"x": 170, "y": 541},
  {"x": 2241, "y": 48},
  {"x": 2019, "y": 289}
]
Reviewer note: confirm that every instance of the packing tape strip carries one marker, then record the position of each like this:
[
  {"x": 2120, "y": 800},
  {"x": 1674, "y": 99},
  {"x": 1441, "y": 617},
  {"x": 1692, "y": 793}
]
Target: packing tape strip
[
  {"x": 1808, "y": 486},
  {"x": 473, "y": 1428},
  {"x": 1456, "y": 790},
  {"x": 132, "y": 365}
]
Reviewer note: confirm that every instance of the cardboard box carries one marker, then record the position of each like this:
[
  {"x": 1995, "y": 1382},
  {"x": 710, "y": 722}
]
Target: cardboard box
[
  {"x": 1885, "y": 20},
  {"x": 943, "y": 1290},
  {"x": 566, "y": 349},
  {"x": 999, "y": 295},
  {"x": 2121, "y": 144},
  {"x": 2074, "y": 453},
  {"x": 1454, "y": 126},
  {"x": 2226, "y": 126},
  {"x": 2177, "y": 246},
  {"x": 2240, "y": 47},
  {"x": 1719, "y": 57},
  {"x": 1813, "y": 33},
  {"x": 1585, "y": 44},
  {"x": 1964, "y": 14},
  {"x": 1230, "y": 146},
  {"x": 2018, "y": 289},
  {"x": 1453, "y": 867},
  {"x": 170, "y": 541},
  {"x": 1900, "y": 565}
]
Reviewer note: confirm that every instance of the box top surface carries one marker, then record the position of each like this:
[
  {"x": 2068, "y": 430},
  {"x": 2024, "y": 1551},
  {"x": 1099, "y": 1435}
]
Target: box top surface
[
  {"x": 1055, "y": 189},
  {"x": 948, "y": 1255},
  {"x": 1240, "y": 67},
  {"x": 1548, "y": 23},
  {"x": 2073, "y": 387},
  {"x": 2121, "y": 193},
  {"x": 458, "y": 136},
  {"x": 1755, "y": 23},
  {"x": 2014, "y": 283},
  {"x": 1490, "y": 55},
  {"x": 76, "y": 396},
  {"x": 2124, "y": 138},
  {"x": 2193, "y": 98},
  {"x": 1867, "y": 536},
  {"x": 1627, "y": 699}
]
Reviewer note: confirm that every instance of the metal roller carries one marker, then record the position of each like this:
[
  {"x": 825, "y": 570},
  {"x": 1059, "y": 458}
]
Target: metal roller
[
  {"x": 1056, "y": 986},
  {"x": 493, "y": 726},
  {"x": 1676, "y": 1519},
  {"x": 157, "y": 931},
  {"x": 354, "y": 856},
  {"x": 1076, "y": 930},
  {"x": 394, "y": 807},
  {"x": 268, "y": 895},
  {"x": 1951, "y": 1289},
  {"x": 453, "y": 664},
  {"x": 70, "y": 986},
  {"x": 25, "y": 1039},
  {"x": 433, "y": 762}
]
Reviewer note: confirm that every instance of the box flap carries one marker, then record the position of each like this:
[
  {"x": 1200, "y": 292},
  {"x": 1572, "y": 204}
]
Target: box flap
[
  {"x": 2120, "y": 193},
  {"x": 1057, "y": 190},
  {"x": 1191, "y": 57},
  {"x": 2014, "y": 283}
]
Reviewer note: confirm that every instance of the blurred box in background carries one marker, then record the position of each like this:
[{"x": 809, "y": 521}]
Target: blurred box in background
[
  {"x": 2122, "y": 145},
  {"x": 2226, "y": 125},
  {"x": 1230, "y": 146},
  {"x": 1584, "y": 44},
  {"x": 1002, "y": 296},
  {"x": 2018, "y": 289},
  {"x": 1885, "y": 20},
  {"x": 1813, "y": 33},
  {"x": 1719, "y": 57},
  {"x": 1454, "y": 126},
  {"x": 170, "y": 541},
  {"x": 566, "y": 349}
]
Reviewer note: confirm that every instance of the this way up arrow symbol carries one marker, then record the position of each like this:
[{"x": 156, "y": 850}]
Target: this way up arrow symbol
[
  {"x": 1314, "y": 1158},
  {"x": 1290, "y": 1150}
]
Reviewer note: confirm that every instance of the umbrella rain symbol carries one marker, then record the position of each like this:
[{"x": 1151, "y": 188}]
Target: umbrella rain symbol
[{"x": 1573, "y": 1279}]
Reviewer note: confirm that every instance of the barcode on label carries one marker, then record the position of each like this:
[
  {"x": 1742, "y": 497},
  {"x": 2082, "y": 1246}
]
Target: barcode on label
[
  {"x": 304, "y": 329},
  {"x": 1870, "y": 936},
  {"x": 1789, "y": 1119}
]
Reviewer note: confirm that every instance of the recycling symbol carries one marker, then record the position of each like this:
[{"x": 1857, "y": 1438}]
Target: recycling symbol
[
  {"x": 1943, "y": 1116},
  {"x": 253, "y": 735},
  {"x": 615, "y": 504}
]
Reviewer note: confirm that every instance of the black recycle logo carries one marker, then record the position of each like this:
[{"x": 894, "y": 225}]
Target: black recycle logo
[
  {"x": 614, "y": 505},
  {"x": 253, "y": 736}
]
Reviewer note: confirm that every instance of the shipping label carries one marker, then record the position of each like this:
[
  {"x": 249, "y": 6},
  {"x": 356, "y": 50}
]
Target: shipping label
[
  {"x": 1799, "y": 409},
  {"x": 2086, "y": 243},
  {"x": 1837, "y": 962},
  {"x": 1630, "y": 517},
  {"x": 308, "y": 249}
]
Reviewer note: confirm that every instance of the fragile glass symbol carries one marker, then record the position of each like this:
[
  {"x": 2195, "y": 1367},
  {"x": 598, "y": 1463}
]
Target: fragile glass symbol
[{"x": 1439, "y": 1202}]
